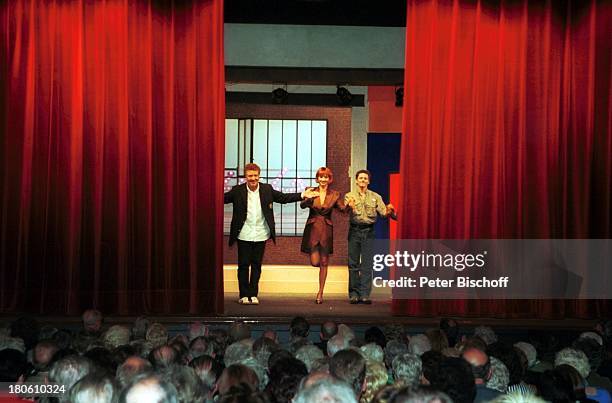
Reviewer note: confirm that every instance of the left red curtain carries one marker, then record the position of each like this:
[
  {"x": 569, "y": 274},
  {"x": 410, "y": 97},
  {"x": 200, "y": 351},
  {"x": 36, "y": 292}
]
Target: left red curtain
[{"x": 111, "y": 147}]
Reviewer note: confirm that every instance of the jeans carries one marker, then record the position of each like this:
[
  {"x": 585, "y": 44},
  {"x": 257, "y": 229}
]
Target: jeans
[{"x": 360, "y": 245}]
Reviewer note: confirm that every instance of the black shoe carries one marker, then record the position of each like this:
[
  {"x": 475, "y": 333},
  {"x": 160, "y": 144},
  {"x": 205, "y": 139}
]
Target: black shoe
[
  {"x": 353, "y": 300},
  {"x": 366, "y": 301}
]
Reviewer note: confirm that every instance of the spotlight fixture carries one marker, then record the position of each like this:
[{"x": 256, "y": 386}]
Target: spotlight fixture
[
  {"x": 344, "y": 96},
  {"x": 280, "y": 96},
  {"x": 399, "y": 96}
]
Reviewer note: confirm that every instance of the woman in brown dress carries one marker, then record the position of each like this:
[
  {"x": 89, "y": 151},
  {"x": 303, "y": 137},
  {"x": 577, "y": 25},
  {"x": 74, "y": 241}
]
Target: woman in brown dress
[{"x": 318, "y": 240}]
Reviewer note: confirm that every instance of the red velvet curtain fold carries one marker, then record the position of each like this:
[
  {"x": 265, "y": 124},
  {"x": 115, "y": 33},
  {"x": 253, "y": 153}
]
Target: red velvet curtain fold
[
  {"x": 507, "y": 131},
  {"x": 112, "y": 145}
]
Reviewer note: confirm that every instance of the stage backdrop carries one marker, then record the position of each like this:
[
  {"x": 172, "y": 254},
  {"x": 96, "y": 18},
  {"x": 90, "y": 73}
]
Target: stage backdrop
[
  {"x": 112, "y": 122},
  {"x": 507, "y": 131}
]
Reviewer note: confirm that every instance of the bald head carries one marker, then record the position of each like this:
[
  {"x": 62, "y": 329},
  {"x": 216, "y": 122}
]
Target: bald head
[{"x": 479, "y": 361}]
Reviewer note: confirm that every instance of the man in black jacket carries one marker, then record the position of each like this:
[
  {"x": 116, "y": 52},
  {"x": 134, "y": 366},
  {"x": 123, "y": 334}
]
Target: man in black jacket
[{"x": 252, "y": 225}]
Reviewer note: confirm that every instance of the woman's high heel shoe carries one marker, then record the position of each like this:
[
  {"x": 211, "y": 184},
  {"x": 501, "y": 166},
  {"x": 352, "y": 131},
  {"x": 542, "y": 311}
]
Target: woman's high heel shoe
[{"x": 319, "y": 300}]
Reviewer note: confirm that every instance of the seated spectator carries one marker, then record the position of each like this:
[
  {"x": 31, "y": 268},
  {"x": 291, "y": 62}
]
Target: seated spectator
[
  {"x": 243, "y": 394},
  {"x": 500, "y": 376},
  {"x": 328, "y": 330},
  {"x": 579, "y": 361},
  {"x": 94, "y": 388},
  {"x": 157, "y": 335},
  {"x": 92, "y": 322},
  {"x": 309, "y": 355},
  {"x": 375, "y": 335},
  {"x": 239, "y": 331},
  {"x": 450, "y": 327},
  {"x": 328, "y": 391},
  {"x": 207, "y": 369},
  {"x": 375, "y": 379},
  {"x": 140, "y": 327},
  {"x": 437, "y": 339},
  {"x": 189, "y": 387},
  {"x": 481, "y": 369},
  {"x": 335, "y": 344},
  {"x": 456, "y": 380},
  {"x": 394, "y": 348},
  {"x": 116, "y": 336},
  {"x": 263, "y": 348},
  {"x": 149, "y": 388},
  {"x": 372, "y": 352},
  {"x": 563, "y": 384},
  {"x": 350, "y": 367},
  {"x": 486, "y": 334},
  {"x": 13, "y": 365},
  {"x": 270, "y": 334},
  {"x": 163, "y": 357},
  {"x": 130, "y": 368},
  {"x": 404, "y": 394},
  {"x": 419, "y": 344},
  {"x": 594, "y": 352},
  {"x": 41, "y": 360},
  {"x": 234, "y": 375},
  {"x": 285, "y": 377},
  {"x": 407, "y": 369},
  {"x": 69, "y": 370}
]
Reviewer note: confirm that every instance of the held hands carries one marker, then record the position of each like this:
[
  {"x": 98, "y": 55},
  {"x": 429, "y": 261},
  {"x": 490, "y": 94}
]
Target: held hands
[
  {"x": 309, "y": 193},
  {"x": 350, "y": 201}
]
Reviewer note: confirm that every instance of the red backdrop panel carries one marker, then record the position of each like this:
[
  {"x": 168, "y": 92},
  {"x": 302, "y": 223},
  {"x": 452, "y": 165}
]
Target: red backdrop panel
[
  {"x": 507, "y": 131},
  {"x": 112, "y": 156}
]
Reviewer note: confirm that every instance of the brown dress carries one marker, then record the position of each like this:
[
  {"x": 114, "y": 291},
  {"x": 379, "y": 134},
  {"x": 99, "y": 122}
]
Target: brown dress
[{"x": 319, "y": 228}]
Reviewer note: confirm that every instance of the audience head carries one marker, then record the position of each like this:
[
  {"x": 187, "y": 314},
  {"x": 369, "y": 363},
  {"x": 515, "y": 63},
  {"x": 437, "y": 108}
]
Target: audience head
[
  {"x": 239, "y": 331},
  {"x": 157, "y": 335},
  {"x": 207, "y": 369},
  {"x": 94, "y": 388},
  {"x": 326, "y": 391},
  {"x": 437, "y": 339},
  {"x": 529, "y": 351},
  {"x": 394, "y": 348},
  {"x": 309, "y": 355},
  {"x": 299, "y": 327},
  {"x": 13, "y": 365},
  {"x": 480, "y": 364},
  {"x": 335, "y": 344},
  {"x": 328, "y": 330},
  {"x": 349, "y": 366},
  {"x": 92, "y": 321},
  {"x": 451, "y": 330},
  {"x": 197, "y": 329},
  {"x": 407, "y": 369},
  {"x": 500, "y": 376},
  {"x": 375, "y": 335},
  {"x": 69, "y": 370},
  {"x": 372, "y": 352},
  {"x": 149, "y": 388},
  {"x": 189, "y": 387},
  {"x": 456, "y": 380},
  {"x": 285, "y": 377},
  {"x": 139, "y": 329},
  {"x": 419, "y": 344},
  {"x": 574, "y": 358},
  {"x": 116, "y": 336},
  {"x": 270, "y": 334},
  {"x": 163, "y": 357},
  {"x": 376, "y": 378},
  {"x": 486, "y": 334},
  {"x": 43, "y": 354},
  {"x": 132, "y": 367},
  {"x": 234, "y": 375},
  {"x": 592, "y": 349}
]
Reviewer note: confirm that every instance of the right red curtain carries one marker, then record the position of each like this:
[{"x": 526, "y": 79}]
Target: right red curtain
[{"x": 507, "y": 133}]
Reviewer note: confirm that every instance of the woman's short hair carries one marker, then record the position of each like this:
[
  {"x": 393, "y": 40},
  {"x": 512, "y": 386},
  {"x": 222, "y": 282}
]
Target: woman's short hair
[{"x": 324, "y": 171}]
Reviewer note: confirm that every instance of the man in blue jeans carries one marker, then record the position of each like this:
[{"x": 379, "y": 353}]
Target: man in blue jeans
[{"x": 366, "y": 206}]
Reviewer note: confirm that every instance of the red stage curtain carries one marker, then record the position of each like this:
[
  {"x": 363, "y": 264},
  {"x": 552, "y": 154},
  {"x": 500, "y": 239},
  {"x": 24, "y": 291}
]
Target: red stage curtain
[
  {"x": 507, "y": 131},
  {"x": 112, "y": 148}
]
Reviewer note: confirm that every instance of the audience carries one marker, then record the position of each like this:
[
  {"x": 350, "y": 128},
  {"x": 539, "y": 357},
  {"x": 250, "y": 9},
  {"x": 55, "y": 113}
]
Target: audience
[{"x": 148, "y": 363}]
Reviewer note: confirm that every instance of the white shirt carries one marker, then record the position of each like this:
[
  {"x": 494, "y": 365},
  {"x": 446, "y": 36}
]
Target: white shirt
[{"x": 255, "y": 228}]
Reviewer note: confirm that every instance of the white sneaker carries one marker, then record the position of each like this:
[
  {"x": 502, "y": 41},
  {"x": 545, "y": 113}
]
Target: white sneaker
[
  {"x": 244, "y": 301},
  {"x": 254, "y": 301}
]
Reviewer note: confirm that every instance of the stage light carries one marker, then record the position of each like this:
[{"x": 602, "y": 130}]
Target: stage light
[
  {"x": 399, "y": 96},
  {"x": 280, "y": 96},
  {"x": 344, "y": 96}
]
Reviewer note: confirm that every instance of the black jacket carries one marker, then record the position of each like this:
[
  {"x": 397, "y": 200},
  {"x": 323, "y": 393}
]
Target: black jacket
[{"x": 267, "y": 195}]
